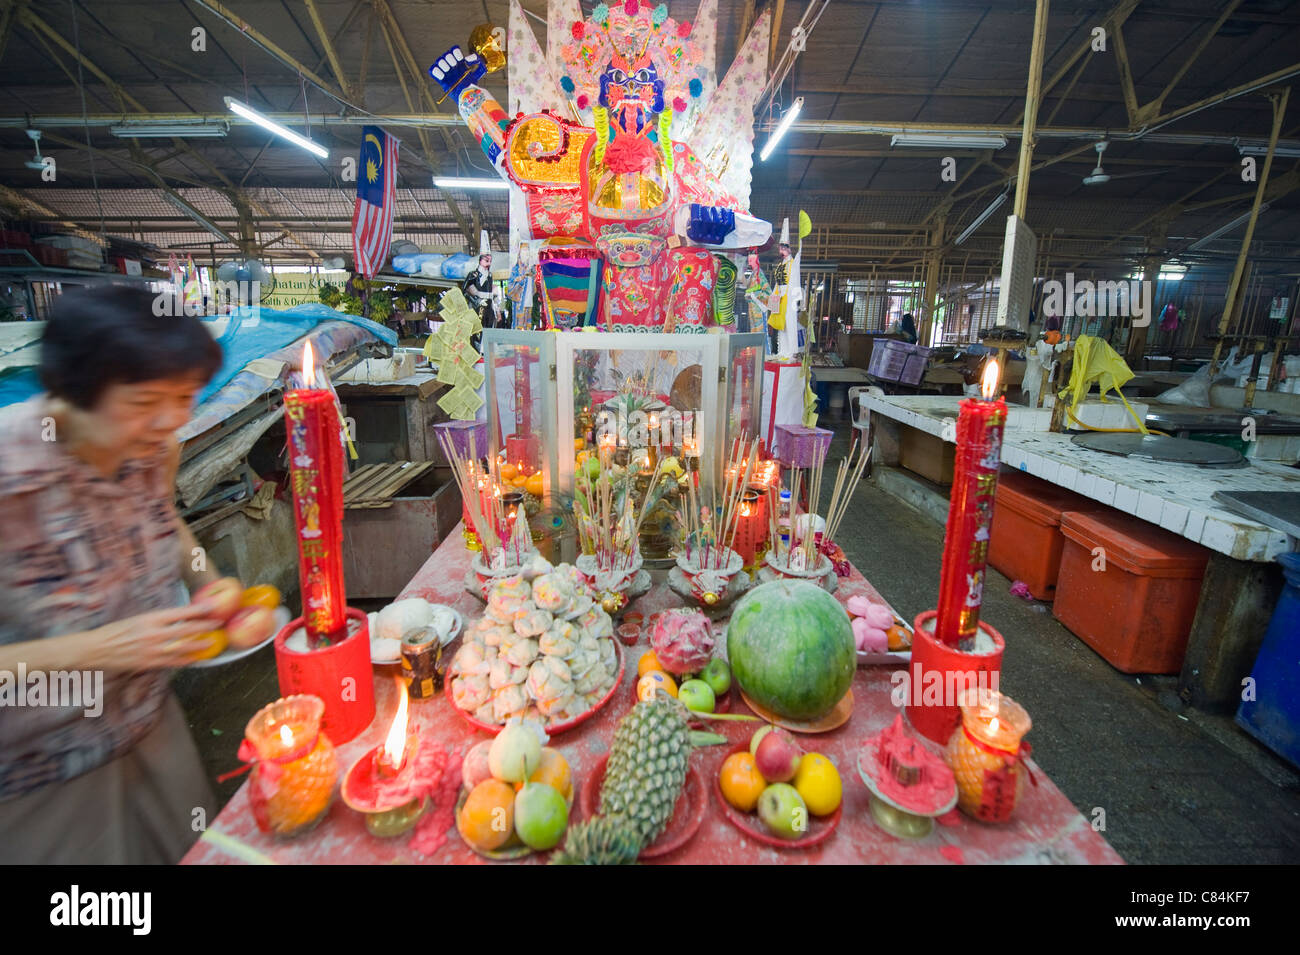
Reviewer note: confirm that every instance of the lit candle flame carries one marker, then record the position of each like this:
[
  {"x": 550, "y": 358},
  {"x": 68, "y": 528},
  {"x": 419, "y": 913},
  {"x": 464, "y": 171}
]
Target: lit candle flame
[
  {"x": 286, "y": 734},
  {"x": 989, "y": 383},
  {"x": 993, "y": 725},
  {"x": 395, "y": 743},
  {"x": 308, "y": 367}
]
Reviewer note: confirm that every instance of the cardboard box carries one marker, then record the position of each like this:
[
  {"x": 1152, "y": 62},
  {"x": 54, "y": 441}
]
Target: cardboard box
[{"x": 927, "y": 455}]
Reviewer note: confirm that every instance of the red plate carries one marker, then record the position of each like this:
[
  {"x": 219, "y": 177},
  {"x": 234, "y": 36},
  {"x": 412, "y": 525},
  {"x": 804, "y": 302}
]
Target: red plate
[
  {"x": 687, "y": 814},
  {"x": 819, "y": 827},
  {"x": 551, "y": 728}
]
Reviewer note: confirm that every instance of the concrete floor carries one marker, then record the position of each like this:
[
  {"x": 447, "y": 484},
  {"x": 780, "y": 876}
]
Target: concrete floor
[{"x": 1177, "y": 786}]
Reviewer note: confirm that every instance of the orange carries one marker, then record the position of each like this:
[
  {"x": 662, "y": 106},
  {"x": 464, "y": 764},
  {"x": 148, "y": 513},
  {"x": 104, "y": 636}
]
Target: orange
[
  {"x": 648, "y": 685},
  {"x": 741, "y": 781},
  {"x": 518, "y": 480},
  {"x": 579, "y": 443},
  {"x": 898, "y": 637},
  {"x": 219, "y": 642},
  {"x": 647, "y": 663},
  {"x": 487, "y": 820},
  {"x": 508, "y": 472},
  {"x": 554, "y": 771},
  {"x": 534, "y": 485},
  {"x": 818, "y": 782},
  {"x": 262, "y": 595}
]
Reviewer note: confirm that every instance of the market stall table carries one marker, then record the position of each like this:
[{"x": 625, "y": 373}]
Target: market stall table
[{"x": 1047, "y": 829}]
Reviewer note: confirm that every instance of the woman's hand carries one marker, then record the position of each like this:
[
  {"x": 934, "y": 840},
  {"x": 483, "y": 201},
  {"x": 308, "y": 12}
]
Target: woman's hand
[{"x": 158, "y": 640}]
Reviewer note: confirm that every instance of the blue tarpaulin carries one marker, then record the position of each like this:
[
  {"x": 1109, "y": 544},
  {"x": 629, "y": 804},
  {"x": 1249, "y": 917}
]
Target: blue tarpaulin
[{"x": 253, "y": 333}]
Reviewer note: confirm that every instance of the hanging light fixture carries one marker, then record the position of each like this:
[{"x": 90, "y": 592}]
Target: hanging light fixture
[
  {"x": 781, "y": 128},
  {"x": 252, "y": 115}
]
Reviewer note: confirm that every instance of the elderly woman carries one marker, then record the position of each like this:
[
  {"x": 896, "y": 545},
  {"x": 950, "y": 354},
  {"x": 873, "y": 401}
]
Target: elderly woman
[{"x": 92, "y": 558}]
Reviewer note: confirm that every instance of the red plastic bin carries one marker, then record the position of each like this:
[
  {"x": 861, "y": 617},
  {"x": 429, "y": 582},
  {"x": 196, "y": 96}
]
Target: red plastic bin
[
  {"x": 1025, "y": 543},
  {"x": 1136, "y": 612}
]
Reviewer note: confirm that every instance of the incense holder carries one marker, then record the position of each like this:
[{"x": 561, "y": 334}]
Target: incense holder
[
  {"x": 612, "y": 584},
  {"x": 822, "y": 572},
  {"x": 710, "y": 587}
]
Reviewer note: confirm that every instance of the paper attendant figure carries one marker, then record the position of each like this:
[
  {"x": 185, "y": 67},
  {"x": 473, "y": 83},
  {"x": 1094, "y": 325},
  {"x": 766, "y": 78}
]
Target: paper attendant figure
[{"x": 478, "y": 285}]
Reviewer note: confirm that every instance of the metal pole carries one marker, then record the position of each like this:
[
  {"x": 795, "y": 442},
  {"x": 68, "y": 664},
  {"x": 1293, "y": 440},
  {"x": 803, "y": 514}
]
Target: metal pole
[
  {"x": 1031, "y": 107},
  {"x": 1234, "y": 286}
]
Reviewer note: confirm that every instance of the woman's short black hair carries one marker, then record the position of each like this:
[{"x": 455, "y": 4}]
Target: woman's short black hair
[{"x": 110, "y": 335}]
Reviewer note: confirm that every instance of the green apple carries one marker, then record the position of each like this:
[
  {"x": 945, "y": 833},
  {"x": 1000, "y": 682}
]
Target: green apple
[
  {"x": 717, "y": 675},
  {"x": 541, "y": 816},
  {"x": 593, "y": 468},
  {"x": 697, "y": 695},
  {"x": 782, "y": 810}
]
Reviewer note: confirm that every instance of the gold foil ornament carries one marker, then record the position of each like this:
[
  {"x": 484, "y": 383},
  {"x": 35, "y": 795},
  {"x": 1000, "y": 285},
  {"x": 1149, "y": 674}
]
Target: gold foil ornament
[{"x": 488, "y": 42}]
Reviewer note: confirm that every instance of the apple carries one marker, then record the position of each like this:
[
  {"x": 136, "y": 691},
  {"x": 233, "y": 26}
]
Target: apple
[
  {"x": 758, "y": 738},
  {"x": 777, "y": 756},
  {"x": 697, "y": 695},
  {"x": 783, "y": 810},
  {"x": 250, "y": 626},
  {"x": 224, "y": 595},
  {"x": 541, "y": 815},
  {"x": 717, "y": 675},
  {"x": 593, "y": 468}
]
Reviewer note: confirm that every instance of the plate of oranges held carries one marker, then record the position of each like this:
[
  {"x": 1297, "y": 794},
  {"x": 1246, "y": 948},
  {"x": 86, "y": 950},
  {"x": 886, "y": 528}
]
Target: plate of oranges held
[{"x": 252, "y": 617}]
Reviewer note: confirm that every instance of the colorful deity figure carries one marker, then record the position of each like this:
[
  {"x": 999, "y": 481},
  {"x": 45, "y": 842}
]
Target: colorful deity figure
[{"x": 652, "y": 211}]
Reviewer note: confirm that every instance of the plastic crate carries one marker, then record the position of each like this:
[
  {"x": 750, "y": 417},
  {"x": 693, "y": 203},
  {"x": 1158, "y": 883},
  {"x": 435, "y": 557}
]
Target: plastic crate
[{"x": 899, "y": 361}]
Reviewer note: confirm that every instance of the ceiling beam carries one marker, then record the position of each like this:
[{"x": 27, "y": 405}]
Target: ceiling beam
[
  {"x": 335, "y": 64},
  {"x": 1153, "y": 108},
  {"x": 242, "y": 26}
]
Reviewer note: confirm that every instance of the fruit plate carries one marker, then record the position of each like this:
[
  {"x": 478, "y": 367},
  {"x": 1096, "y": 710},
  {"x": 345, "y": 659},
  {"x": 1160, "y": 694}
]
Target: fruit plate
[
  {"x": 282, "y": 618},
  {"x": 877, "y": 658},
  {"x": 819, "y": 827},
  {"x": 551, "y": 728},
  {"x": 836, "y": 718},
  {"x": 688, "y": 812},
  {"x": 514, "y": 849}
]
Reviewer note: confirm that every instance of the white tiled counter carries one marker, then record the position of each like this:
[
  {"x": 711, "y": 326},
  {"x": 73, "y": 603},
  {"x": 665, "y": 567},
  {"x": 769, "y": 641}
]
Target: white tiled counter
[{"x": 1177, "y": 497}]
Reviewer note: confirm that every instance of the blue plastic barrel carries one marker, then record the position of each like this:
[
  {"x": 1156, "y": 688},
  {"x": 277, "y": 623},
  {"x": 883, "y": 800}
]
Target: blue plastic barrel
[{"x": 1273, "y": 717}]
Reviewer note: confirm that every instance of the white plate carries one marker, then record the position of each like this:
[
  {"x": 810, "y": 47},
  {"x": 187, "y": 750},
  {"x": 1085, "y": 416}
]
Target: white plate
[
  {"x": 230, "y": 655},
  {"x": 452, "y": 634}
]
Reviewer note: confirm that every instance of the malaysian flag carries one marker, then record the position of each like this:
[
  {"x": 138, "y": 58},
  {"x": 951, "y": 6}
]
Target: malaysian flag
[{"x": 372, "y": 219}]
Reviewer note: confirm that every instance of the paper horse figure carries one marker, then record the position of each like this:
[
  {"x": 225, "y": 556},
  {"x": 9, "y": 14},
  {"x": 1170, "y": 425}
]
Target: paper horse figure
[{"x": 652, "y": 206}]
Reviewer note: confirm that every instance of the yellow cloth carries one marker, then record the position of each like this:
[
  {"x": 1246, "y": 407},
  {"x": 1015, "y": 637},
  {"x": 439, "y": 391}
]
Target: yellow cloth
[{"x": 1095, "y": 361}]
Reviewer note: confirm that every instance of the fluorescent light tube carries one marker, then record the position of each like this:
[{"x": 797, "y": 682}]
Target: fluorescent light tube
[
  {"x": 1254, "y": 147},
  {"x": 271, "y": 125},
  {"x": 781, "y": 128},
  {"x": 948, "y": 141},
  {"x": 980, "y": 219},
  {"x": 198, "y": 217},
  {"x": 1226, "y": 228},
  {"x": 455, "y": 183},
  {"x": 145, "y": 130}
]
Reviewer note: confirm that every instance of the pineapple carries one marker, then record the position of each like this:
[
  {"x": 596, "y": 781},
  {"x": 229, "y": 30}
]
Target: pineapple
[{"x": 644, "y": 777}]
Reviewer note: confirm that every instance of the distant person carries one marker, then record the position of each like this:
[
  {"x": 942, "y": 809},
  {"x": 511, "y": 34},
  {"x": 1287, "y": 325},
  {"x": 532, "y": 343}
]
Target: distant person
[{"x": 907, "y": 328}]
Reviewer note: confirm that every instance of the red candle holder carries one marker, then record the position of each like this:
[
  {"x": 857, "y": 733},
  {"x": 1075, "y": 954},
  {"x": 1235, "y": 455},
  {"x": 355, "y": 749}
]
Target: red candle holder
[
  {"x": 340, "y": 674},
  {"x": 939, "y": 675}
]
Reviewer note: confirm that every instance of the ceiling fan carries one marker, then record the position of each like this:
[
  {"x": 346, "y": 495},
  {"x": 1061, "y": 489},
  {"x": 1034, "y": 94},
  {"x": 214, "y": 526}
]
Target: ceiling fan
[
  {"x": 39, "y": 161},
  {"x": 1098, "y": 176}
]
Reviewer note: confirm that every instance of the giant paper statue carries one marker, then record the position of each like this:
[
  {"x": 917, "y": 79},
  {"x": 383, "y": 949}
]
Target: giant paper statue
[{"x": 648, "y": 208}]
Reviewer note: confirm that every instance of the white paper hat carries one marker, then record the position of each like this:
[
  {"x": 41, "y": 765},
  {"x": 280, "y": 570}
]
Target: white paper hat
[
  {"x": 484, "y": 247},
  {"x": 785, "y": 232}
]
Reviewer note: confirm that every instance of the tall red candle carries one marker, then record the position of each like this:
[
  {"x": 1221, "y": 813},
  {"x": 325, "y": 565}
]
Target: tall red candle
[
  {"x": 970, "y": 513},
  {"x": 316, "y": 475}
]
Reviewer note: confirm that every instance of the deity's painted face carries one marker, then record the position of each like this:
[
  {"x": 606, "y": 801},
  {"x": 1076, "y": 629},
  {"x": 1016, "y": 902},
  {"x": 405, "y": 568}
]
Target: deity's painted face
[
  {"x": 485, "y": 262},
  {"x": 632, "y": 84},
  {"x": 784, "y": 250}
]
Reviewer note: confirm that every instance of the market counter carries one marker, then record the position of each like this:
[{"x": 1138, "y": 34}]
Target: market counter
[{"x": 1046, "y": 828}]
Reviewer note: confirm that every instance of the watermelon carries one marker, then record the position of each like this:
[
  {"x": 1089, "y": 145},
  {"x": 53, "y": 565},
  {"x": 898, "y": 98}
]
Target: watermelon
[{"x": 791, "y": 649}]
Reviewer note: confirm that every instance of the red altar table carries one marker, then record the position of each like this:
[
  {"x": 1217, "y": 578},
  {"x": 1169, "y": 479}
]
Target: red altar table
[{"x": 1046, "y": 829}]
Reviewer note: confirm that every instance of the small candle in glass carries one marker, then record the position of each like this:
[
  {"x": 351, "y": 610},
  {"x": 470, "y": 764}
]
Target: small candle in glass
[
  {"x": 987, "y": 755},
  {"x": 294, "y": 765}
]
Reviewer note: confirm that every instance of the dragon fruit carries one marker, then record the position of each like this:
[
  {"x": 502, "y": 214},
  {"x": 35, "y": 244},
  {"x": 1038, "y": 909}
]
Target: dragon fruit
[{"x": 682, "y": 640}]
